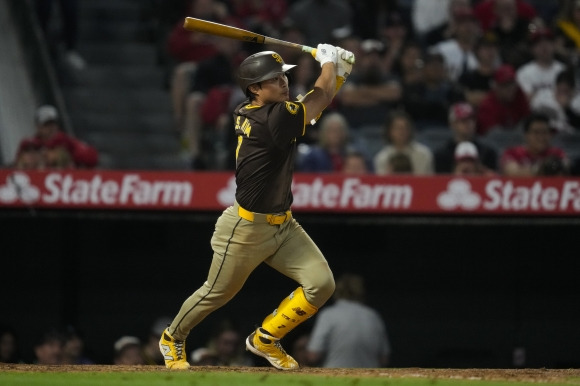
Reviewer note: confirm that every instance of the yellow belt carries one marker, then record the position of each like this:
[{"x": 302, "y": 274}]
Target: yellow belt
[{"x": 272, "y": 219}]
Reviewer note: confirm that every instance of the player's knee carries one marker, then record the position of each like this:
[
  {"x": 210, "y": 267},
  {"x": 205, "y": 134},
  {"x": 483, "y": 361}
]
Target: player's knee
[{"x": 320, "y": 289}]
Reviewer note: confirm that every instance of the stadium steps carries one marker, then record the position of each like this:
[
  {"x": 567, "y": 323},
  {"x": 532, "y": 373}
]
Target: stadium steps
[{"x": 119, "y": 103}]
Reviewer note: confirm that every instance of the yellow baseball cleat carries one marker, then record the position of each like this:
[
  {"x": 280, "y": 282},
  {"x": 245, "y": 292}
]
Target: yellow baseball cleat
[
  {"x": 265, "y": 345},
  {"x": 173, "y": 352}
]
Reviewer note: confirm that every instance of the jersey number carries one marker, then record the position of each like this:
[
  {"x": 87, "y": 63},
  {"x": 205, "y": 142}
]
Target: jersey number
[{"x": 245, "y": 127}]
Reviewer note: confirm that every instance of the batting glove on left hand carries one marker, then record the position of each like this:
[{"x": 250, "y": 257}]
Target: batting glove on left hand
[{"x": 326, "y": 53}]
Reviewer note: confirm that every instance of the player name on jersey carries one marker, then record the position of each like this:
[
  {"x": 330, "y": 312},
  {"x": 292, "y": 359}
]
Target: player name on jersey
[{"x": 332, "y": 193}]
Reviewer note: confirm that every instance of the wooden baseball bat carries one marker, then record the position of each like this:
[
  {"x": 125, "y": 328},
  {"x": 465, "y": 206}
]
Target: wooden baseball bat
[{"x": 226, "y": 31}]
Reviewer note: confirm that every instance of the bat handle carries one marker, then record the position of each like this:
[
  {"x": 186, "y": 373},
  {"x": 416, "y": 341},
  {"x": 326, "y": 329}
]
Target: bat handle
[{"x": 312, "y": 51}]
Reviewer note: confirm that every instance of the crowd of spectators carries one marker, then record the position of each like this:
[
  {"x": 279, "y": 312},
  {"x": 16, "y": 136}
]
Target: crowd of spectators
[
  {"x": 423, "y": 68},
  {"x": 505, "y": 59}
]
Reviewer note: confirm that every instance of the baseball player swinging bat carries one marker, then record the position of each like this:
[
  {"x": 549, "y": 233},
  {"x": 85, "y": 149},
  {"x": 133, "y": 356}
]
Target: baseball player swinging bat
[{"x": 226, "y": 31}]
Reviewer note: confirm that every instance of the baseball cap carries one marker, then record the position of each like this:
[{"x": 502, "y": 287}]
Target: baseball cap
[
  {"x": 466, "y": 151},
  {"x": 461, "y": 110},
  {"x": 504, "y": 74},
  {"x": 46, "y": 113},
  {"x": 126, "y": 341}
]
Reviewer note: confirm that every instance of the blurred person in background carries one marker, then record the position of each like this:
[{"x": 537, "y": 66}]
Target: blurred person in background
[
  {"x": 74, "y": 348},
  {"x": 49, "y": 136},
  {"x": 48, "y": 348},
  {"x": 463, "y": 129},
  {"x": 458, "y": 51},
  {"x": 467, "y": 162},
  {"x": 261, "y": 16},
  {"x": 224, "y": 348},
  {"x": 186, "y": 49},
  {"x": 355, "y": 163},
  {"x": 28, "y": 156},
  {"x": 395, "y": 33},
  {"x": 335, "y": 343},
  {"x": 476, "y": 83},
  {"x": 409, "y": 65},
  {"x": 206, "y": 100},
  {"x": 428, "y": 100},
  {"x": 151, "y": 353},
  {"x": 510, "y": 21},
  {"x": 370, "y": 90},
  {"x": 8, "y": 345},
  {"x": 540, "y": 72},
  {"x": 320, "y": 20},
  {"x": 399, "y": 138},
  {"x": 496, "y": 12},
  {"x": 334, "y": 142},
  {"x": 505, "y": 105},
  {"x": 448, "y": 27},
  {"x": 128, "y": 351},
  {"x": 560, "y": 103},
  {"x": 528, "y": 159}
]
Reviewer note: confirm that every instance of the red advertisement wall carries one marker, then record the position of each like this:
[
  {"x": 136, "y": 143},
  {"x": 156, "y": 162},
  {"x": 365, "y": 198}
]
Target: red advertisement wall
[{"x": 191, "y": 191}]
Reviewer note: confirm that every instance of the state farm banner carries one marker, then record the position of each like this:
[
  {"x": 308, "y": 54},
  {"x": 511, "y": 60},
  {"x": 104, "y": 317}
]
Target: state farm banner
[{"x": 205, "y": 191}]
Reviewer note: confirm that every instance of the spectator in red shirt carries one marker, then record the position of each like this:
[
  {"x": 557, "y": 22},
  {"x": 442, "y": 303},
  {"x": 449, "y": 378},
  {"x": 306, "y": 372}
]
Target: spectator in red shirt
[
  {"x": 537, "y": 156},
  {"x": 505, "y": 105},
  {"x": 56, "y": 147}
]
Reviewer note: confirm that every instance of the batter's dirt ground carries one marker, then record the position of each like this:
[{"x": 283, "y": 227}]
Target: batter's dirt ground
[{"x": 516, "y": 375}]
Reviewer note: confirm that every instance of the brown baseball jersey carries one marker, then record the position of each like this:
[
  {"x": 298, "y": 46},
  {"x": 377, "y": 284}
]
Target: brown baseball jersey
[{"x": 266, "y": 153}]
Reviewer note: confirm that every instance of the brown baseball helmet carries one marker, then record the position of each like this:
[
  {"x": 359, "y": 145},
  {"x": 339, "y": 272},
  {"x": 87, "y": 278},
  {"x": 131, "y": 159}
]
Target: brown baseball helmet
[{"x": 261, "y": 66}]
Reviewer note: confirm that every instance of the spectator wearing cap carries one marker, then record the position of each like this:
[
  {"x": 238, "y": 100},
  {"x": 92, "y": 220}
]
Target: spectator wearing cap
[
  {"x": 567, "y": 32},
  {"x": 477, "y": 83},
  {"x": 505, "y": 105},
  {"x": 128, "y": 351},
  {"x": 537, "y": 156},
  {"x": 467, "y": 162},
  {"x": 458, "y": 51},
  {"x": 370, "y": 90},
  {"x": 462, "y": 125},
  {"x": 57, "y": 148},
  {"x": 540, "y": 73}
]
